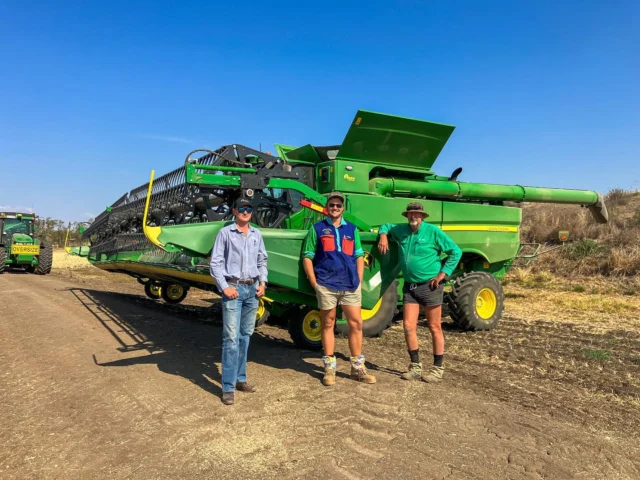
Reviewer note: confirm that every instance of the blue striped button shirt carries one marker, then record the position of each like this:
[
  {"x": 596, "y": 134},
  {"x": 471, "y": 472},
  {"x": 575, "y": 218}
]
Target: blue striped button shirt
[{"x": 238, "y": 256}]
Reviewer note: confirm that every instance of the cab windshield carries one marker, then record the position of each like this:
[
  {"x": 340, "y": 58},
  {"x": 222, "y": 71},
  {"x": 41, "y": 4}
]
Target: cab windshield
[{"x": 11, "y": 226}]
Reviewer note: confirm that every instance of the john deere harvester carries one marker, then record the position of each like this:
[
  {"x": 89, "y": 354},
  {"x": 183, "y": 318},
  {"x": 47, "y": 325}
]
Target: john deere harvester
[
  {"x": 162, "y": 232},
  {"x": 19, "y": 248}
]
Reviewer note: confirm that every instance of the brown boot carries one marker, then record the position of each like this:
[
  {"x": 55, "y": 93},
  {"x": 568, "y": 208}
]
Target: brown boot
[
  {"x": 414, "y": 372},
  {"x": 329, "y": 378},
  {"x": 228, "y": 398},
  {"x": 435, "y": 375},
  {"x": 361, "y": 375},
  {"x": 245, "y": 387}
]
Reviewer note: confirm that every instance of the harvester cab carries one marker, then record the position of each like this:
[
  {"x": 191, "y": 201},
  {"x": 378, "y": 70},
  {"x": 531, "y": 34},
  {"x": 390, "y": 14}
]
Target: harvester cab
[
  {"x": 19, "y": 248},
  {"x": 162, "y": 232}
]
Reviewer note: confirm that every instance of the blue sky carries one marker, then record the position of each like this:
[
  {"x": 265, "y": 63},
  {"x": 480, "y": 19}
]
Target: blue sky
[{"x": 93, "y": 95}]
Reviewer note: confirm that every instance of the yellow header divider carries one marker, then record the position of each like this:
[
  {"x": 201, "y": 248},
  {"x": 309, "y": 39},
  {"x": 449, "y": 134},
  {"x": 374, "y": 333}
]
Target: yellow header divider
[{"x": 152, "y": 233}]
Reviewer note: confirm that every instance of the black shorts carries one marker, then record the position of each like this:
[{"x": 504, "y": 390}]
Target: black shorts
[{"x": 422, "y": 294}]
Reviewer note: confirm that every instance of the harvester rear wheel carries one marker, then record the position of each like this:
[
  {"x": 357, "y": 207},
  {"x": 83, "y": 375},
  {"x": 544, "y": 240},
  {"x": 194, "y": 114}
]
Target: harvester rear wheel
[
  {"x": 173, "y": 292},
  {"x": 3, "y": 259},
  {"x": 476, "y": 301},
  {"x": 305, "y": 329},
  {"x": 380, "y": 317},
  {"x": 45, "y": 259},
  {"x": 153, "y": 290}
]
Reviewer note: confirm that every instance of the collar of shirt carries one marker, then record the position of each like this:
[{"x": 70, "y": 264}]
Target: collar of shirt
[
  {"x": 235, "y": 227},
  {"x": 421, "y": 228},
  {"x": 330, "y": 222}
]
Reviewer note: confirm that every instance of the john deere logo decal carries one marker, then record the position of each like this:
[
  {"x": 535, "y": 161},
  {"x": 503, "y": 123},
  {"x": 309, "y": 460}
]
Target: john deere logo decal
[{"x": 348, "y": 178}]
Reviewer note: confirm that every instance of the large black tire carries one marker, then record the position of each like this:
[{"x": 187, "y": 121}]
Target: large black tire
[
  {"x": 45, "y": 259},
  {"x": 3, "y": 259},
  {"x": 380, "y": 317},
  {"x": 173, "y": 293},
  {"x": 476, "y": 301},
  {"x": 153, "y": 290},
  {"x": 305, "y": 328}
]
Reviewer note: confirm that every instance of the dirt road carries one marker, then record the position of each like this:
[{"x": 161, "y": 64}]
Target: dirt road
[{"x": 97, "y": 381}]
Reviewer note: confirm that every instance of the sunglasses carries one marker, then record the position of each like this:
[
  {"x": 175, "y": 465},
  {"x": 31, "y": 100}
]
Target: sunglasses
[
  {"x": 245, "y": 209},
  {"x": 334, "y": 205}
]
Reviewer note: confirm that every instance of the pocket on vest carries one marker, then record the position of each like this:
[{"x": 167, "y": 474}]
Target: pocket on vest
[
  {"x": 328, "y": 243},
  {"x": 347, "y": 246}
]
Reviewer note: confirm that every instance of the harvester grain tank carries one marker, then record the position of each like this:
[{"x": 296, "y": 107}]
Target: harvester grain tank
[{"x": 162, "y": 232}]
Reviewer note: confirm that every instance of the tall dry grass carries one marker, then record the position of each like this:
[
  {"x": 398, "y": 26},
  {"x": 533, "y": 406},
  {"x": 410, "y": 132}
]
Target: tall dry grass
[{"x": 605, "y": 249}]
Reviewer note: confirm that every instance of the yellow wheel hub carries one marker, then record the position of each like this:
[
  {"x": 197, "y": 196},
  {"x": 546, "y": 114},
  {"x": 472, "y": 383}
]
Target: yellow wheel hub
[
  {"x": 367, "y": 314},
  {"x": 311, "y": 326},
  {"x": 156, "y": 289},
  {"x": 174, "y": 291},
  {"x": 486, "y": 303}
]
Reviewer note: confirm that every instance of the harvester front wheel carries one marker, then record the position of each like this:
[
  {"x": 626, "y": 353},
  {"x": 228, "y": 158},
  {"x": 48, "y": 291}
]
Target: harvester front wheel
[
  {"x": 3, "y": 259},
  {"x": 476, "y": 301},
  {"x": 305, "y": 329},
  {"x": 45, "y": 259},
  {"x": 173, "y": 293},
  {"x": 380, "y": 317},
  {"x": 153, "y": 290}
]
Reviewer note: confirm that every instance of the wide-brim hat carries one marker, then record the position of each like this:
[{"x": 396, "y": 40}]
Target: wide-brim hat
[{"x": 415, "y": 207}]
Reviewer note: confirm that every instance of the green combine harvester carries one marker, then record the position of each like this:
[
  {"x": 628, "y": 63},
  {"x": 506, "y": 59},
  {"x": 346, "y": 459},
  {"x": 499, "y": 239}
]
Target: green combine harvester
[
  {"x": 19, "y": 248},
  {"x": 162, "y": 232}
]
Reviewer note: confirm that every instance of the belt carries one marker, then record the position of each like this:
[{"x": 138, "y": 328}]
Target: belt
[
  {"x": 413, "y": 286},
  {"x": 242, "y": 282}
]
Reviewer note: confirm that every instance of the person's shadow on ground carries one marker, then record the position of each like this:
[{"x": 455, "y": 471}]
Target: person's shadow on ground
[{"x": 182, "y": 340}]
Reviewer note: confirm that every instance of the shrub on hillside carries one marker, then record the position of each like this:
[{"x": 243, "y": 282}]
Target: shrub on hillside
[
  {"x": 618, "y": 196},
  {"x": 582, "y": 249}
]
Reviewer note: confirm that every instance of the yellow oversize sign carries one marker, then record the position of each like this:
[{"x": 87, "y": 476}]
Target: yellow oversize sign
[{"x": 25, "y": 249}]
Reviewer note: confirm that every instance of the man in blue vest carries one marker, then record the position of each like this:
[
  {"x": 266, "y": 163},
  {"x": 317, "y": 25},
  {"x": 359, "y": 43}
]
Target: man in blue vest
[{"x": 333, "y": 260}]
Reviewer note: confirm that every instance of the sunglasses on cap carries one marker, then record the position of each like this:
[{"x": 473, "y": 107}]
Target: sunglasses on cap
[
  {"x": 334, "y": 205},
  {"x": 245, "y": 209}
]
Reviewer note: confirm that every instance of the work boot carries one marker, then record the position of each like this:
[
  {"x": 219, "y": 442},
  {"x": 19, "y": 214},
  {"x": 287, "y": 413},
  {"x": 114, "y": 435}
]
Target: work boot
[
  {"x": 329, "y": 378},
  {"x": 434, "y": 375},
  {"x": 359, "y": 371},
  {"x": 228, "y": 398},
  {"x": 245, "y": 387},
  {"x": 414, "y": 373},
  {"x": 329, "y": 362},
  {"x": 361, "y": 375}
]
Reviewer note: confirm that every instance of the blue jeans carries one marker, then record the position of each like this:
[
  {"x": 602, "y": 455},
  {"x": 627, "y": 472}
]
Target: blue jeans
[{"x": 238, "y": 322}]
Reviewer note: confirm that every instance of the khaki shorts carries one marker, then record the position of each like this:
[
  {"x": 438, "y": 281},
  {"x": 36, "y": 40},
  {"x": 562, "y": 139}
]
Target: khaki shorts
[{"x": 328, "y": 298}]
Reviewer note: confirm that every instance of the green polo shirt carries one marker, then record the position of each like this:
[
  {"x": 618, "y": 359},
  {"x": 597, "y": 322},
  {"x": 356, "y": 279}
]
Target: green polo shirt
[{"x": 421, "y": 251}]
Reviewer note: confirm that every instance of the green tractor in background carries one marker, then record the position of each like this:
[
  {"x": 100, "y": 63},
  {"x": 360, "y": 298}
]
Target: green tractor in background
[{"x": 19, "y": 248}]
